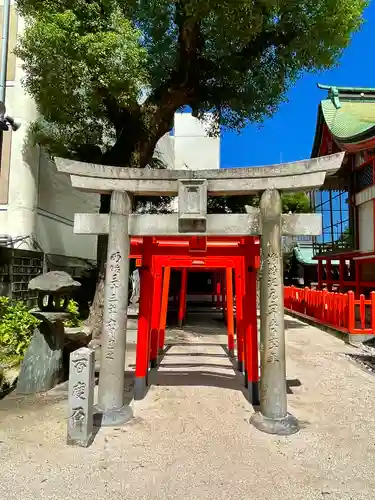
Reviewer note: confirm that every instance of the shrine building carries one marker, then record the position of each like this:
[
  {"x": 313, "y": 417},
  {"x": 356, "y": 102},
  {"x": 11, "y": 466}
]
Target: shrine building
[{"x": 345, "y": 251}]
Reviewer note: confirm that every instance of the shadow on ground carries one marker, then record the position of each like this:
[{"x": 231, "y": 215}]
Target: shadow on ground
[
  {"x": 290, "y": 324},
  {"x": 231, "y": 379}
]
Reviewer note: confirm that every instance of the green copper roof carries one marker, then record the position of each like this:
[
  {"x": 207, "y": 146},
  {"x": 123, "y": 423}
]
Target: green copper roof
[
  {"x": 304, "y": 255},
  {"x": 354, "y": 90},
  {"x": 351, "y": 120},
  {"x": 349, "y": 113}
]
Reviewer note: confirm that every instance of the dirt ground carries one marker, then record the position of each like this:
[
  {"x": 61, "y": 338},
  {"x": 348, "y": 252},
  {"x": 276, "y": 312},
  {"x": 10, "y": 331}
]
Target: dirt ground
[{"x": 191, "y": 438}]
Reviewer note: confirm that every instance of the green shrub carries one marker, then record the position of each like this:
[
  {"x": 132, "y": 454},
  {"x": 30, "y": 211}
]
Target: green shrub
[
  {"x": 16, "y": 326},
  {"x": 74, "y": 319}
]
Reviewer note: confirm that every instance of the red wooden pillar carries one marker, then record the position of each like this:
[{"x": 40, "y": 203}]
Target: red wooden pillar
[
  {"x": 155, "y": 314},
  {"x": 230, "y": 316},
  {"x": 358, "y": 271},
  {"x": 320, "y": 274},
  {"x": 329, "y": 274},
  {"x": 342, "y": 274},
  {"x": 183, "y": 294},
  {"x": 240, "y": 288},
  {"x": 213, "y": 290},
  {"x": 164, "y": 306},
  {"x": 218, "y": 290},
  {"x": 142, "y": 352},
  {"x": 251, "y": 338},
  {"x": 224, "y": 299}
]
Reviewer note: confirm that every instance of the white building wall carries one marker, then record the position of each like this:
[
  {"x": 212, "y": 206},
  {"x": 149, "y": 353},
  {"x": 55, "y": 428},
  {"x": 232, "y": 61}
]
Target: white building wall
[
  {"x": 190, "y": 147},
  {"x": 24, "y": 163},
  {"x": 366, "y": 226},
  {"x": 57, "y": 204},
  {"x": 164, "y": 150},
  {"x": 194, "y": 149},
  {"x": 41, "y": 202}
]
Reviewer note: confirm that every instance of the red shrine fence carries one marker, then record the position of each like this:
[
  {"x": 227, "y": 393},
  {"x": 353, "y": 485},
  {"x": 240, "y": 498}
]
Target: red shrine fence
[{"x": 340, "y": 311}]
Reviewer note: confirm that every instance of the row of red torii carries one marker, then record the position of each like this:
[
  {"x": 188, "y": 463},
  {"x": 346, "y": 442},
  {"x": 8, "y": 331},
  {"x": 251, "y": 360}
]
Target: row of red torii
[
  {"x": 192, "y": 188},
  {"x": 232, "y": 255}
]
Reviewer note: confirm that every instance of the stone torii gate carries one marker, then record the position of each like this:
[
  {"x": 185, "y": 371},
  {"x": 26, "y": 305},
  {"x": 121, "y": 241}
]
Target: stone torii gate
[{"x": 192, "y": 188}]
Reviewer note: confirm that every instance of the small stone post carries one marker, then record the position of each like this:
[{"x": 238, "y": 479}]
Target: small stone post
[
  {"x": 81, "y": 397},
  {"x": 273, "y": 417},
  {"x": 112, "y": 366}
]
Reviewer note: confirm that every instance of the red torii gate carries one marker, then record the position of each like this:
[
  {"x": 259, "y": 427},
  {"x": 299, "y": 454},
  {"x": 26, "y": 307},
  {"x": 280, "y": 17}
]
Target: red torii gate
[{"x": 156, "y": 256}]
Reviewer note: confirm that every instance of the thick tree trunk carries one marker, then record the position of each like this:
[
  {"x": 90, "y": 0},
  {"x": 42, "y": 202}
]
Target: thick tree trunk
[
  {"x": 134, "y": 147},
  {"x": 95, "y": 319}
]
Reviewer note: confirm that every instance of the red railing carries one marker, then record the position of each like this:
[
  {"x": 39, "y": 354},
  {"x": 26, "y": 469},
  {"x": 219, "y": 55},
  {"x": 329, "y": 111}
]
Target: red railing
[{"x": 339, "y": 310}]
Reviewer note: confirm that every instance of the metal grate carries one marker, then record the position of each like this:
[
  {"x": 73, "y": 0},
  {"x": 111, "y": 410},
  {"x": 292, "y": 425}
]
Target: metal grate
[
  {"x": 364, "y": 177},
  {"x": 24, "y": 270}
]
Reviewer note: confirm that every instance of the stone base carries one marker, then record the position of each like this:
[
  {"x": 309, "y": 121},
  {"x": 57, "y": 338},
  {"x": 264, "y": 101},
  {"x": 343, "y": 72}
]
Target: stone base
[
  {"x": 245, "y": 380},
  {"x": 279, "y": 426},
  {"x": 83, "y": 443},
  {"x": 132, "y": 318},
  {"x": 231, "y": 353},
  {"x": 140, "y": 388},
  {"x": 360, "y": 338},
  {"x": 112, "y": 418},
  {"x": 253, "y": 393}
]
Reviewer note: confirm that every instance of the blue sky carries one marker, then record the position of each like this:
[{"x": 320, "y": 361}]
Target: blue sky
[{"x": 289, "y": 134}]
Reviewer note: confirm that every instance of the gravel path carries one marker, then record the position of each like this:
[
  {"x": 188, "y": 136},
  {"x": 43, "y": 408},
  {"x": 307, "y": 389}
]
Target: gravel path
[{"x": 191, "y": 438}]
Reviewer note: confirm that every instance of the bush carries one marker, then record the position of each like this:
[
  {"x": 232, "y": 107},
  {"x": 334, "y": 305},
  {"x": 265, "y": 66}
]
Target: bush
[
  {"x": 16, "y": 327},
  {"x": 74, "y": 319}
]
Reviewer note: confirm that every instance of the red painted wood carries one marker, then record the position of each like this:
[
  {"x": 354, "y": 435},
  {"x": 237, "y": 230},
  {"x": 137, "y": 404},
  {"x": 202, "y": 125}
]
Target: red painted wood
[
  {"x": 240, "y": 291},
  {"x": 164, "y": 306},
  {"x": 230, "y": 306},
  {"x": 183, "y": 294},
  {"x": 339, "y": 310},
  {"x": 251, "y": 330},
  {"x": 141, "y": 366},
  {"x": 155, "y": 312}
]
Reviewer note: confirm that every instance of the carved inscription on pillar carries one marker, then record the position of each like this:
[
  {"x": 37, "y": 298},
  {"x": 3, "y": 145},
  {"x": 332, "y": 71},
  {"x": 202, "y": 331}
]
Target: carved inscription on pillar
[
  {"x": 113, "y": 275},
  {"x": 81, "y": 397},
  {"x": 274, "y": 306}
]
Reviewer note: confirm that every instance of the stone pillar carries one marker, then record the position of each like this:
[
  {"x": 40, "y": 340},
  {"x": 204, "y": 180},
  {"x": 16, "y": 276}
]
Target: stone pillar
[
  {"x": 81, "y": 397},
  {"x": 112, "y": 366},
  {"x": 273, "y": 417}
]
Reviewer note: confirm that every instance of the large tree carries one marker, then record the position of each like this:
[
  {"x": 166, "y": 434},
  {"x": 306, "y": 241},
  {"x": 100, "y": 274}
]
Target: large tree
[{"x": 108, "y": 75}]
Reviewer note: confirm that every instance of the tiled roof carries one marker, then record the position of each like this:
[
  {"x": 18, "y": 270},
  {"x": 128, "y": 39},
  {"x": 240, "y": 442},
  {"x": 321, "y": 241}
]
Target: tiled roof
[{"x": 351, "y": 121}]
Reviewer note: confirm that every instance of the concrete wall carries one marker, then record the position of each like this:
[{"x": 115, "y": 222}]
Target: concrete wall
[
  {"x": 23, "y": 162},
  {"x": 194, "y": 149},
  {"x": 38, "y": 203},
  {"x": 57, "y": 204},
  {"x": 190, "y": 147},
  {"x": 164, "y": 150}
]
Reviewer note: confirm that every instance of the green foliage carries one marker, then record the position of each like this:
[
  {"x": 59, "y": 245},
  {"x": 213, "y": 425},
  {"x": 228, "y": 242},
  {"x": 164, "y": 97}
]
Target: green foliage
[
  {"x": 298, "y": 203},
  {"x": 291, "y": 202},
  {"x": 74, "y": 319},
  {"x": 16, "y": 327},
  {"x": 346, "y": 240},
  {"x": 108, "y": 75}
]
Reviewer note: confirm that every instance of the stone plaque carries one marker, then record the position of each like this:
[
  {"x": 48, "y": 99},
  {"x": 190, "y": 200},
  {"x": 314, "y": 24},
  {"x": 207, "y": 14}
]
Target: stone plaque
[
  {"x": 81, "y": 397},
  {"x": 192, "y": 205}
]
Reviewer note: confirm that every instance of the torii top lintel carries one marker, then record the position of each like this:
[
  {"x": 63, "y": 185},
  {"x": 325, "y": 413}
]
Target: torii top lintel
[{"x": 295, "y": 176}]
